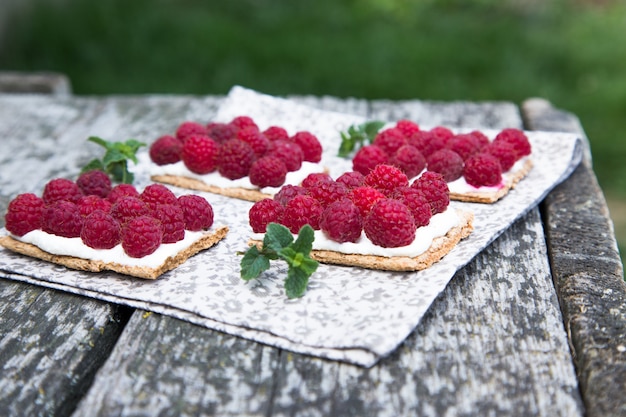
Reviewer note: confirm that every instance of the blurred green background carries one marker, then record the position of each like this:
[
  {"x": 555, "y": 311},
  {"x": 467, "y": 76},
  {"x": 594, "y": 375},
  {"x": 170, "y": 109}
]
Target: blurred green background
[{"x": 567, "y": 51}]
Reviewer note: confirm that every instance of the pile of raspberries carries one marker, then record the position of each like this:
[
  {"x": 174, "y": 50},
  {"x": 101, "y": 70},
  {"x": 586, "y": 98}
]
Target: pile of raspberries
[
  {"x": 382, "y": 203},
  {"x": 238, "y": 149},
  {"x": 104, "y": 216},
  {"x": 469, "y": 155}
]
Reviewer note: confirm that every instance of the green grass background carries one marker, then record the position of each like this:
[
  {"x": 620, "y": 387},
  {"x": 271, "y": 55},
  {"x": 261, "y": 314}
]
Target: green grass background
[{"x": 567, "y": 51}]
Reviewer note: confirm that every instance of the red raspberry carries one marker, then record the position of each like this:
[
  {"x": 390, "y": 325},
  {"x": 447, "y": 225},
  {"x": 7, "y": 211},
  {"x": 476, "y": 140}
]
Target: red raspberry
[
  {"x": 504, "y": 152},
  {"x": 24, "y": 214},
  {"x": 287, "y": 192},
  {"x": 264, "y": 212},
  {"x": 341, "y": 221},
  {"x": 199, "y": 154},
  {"x": 90, "y": 203},
  {"x": 141, "y": 236},
  {"x": 315, "y": 179},
  {"x": 121, "y": 191},
  {"x": 426, "y": 142},
  {"x": 386, "y": 178},
  {"x": 483, "y": 169},
  {"x": 390, "y": 224},
  {"x": 155, "y": 194},
  {"x": 94, "y": 182},
  {"x": 302, "y": 210},
  {"x": 235, "y": 157},
  {"x": 364, "y": 198},
  {"x": 433, "y": 186},
  {"x": 517, "y": 139},
  {"x": 268, "y": 171},
  {"x": 442, "y": 133},
  {"x": 351, "y": 179},
  {"x": 417, "y": 204},
  {"x": 328, "y": 192},
  {"x": 480, "y": 138},
  {"x": 61, "y": 189},
  {"x": 172, "y": 221},
  {"x": 257, "y": 141},
  {"x": 242, "y": 122},
  {"x": 62, "y": 218},
  {"x": 447, "y": 163},
  {"x": 409, "y": 159},
  {"x": 464, "y": 145},
  {"x": 187, "y": 129},
  {"x": 311, "y": 146},
  {"x": 407, "y": 127},
  {"x": 221, "y": 132},
  {"x": 273, "y": 133},
  {"x": 127, "y": 208},
  {"x": 290, "y": 152},
  {"x": 100, "y": 231},
  {"x": 198, "y": 212},
  {"x": 166, "y": 150},
  {"x": 389, "y": 140},
  {"x": 367, "y": 158}
]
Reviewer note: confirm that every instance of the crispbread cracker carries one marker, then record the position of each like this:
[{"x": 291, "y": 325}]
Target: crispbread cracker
[
  {"x": 493, "y": 196},
  {"x": 205, "y": 242},
  {"x": 194, "y": 184},
  {"x": 438, "y": 249}
]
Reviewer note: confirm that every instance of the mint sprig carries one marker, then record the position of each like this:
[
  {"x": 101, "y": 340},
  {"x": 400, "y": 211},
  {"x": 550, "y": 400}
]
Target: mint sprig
[
  {"x": 278, "y": 243},
  {"x": 357, "y": 136},
  {"x": 115, "y": 160}
]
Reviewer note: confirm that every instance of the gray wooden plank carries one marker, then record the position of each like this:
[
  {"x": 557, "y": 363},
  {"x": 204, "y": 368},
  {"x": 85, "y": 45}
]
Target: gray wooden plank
[{"x": 588, "y": 273}]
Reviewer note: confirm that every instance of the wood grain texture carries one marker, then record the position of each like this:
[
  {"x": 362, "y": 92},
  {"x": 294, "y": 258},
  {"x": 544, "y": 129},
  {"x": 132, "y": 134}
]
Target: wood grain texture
[{"x": 588, "y": 274}]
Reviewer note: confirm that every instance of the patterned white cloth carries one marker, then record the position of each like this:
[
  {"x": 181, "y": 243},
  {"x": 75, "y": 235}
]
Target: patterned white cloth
[{"x": 348, "y": 314}]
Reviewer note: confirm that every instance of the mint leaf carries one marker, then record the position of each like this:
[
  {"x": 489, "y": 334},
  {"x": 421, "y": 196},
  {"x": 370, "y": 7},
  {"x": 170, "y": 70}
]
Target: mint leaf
[
  {"x": 304, "y": 242},
  {"x": 357, "y": 136},
  {"x": 296, "y": 282},
  {"x": 115, "y": 160},
  {"x": 253, "y": 263},
  {"x": 277, "y": 237}
]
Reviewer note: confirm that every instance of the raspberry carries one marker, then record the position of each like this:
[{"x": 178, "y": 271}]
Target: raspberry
[
  {"x": 90, "y": 203},
  {"x": 257, "y": 141},
  {"x": 351, "y": 179},
  {"x": 311, "y": 146},
  {"x": 426, "y": 142},
  {"x": 417, "y": 204},
  {"x": 364, "y": 198},
  {"x": 287, "y": 192},
  {"x": 264, "y": 212},
  {"x": 273, "y": 133},
  {"x": 198, "y": 212},
  {"x": 442, "y": 133},
  {"x": 127, "y": 208},
  {"x": 199, "y": 154},
  {"x": 187, "y": 129},
  {"x": 328, "y": 192},
  {"x": 504, "y": 152},
  {"x": 24, "y": 214},
  {"x": 433, "y": 186},
  {"x": 61, "y": 189},
  {"x": 447, "y": 163},
  {"x": 301, "y": 210},
  {"x": 100, "y": 231},
  {"x": 290, "y": 152},
  {"x": 341, "y": 221},
  {"x": 141, "y": 236},
  {"x": 268, "y": 171},
  {"x": 122, "y": 190},
  {"x": 407, "y": 127},
  {"x": 390, "y": 224},
  {"x": 62, "y": 218},
  {"x": 515, "y": 138},
  {"x": 166, "y": 150},
  {"x": 242, "y": 122},
  {"x": 409, "y": 159},
  {"x": 221, "y": 132},
  {"x": 315, "y": 179},
  {"x": 235, "y": 157},
  {"x": 386, "y": 178},
  {"x": 483, "y": 169},
  {"x": 172, "y": 221},
  {"x": 155, "y": 194},
  {"x": 480, "y": 138},
  {"x": 94, "y": 182},
  {"x": 389, "y": 140},
  {"x": 367, "y": 158},
  {"x": 464, "y": 145}
]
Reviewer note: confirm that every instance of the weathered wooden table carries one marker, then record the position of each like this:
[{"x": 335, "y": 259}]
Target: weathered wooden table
[{"x": 534, "y": 325}]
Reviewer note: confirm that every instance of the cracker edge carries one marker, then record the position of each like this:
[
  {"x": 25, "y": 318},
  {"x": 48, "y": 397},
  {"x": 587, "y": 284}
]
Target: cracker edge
[
  {"x": 205, "y": 242},
  {"x": 194, "y": 184}
]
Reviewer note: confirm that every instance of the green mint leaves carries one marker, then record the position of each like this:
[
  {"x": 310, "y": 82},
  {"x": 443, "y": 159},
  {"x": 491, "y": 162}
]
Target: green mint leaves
[
  {"x": 115, "y": 160},
  {"x": 278, "y": 243},
  {"x": 357, "y": 136}
]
